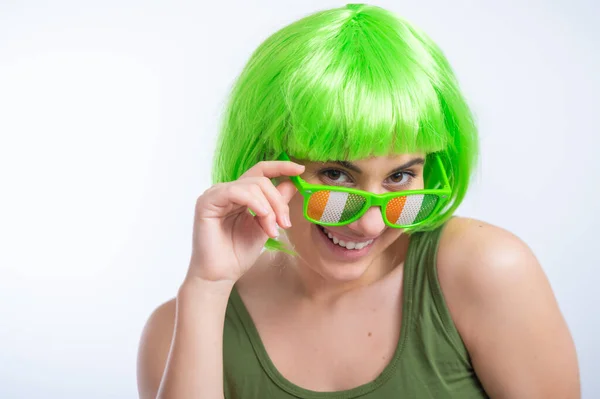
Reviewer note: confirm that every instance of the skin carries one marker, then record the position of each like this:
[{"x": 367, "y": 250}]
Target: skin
[{"x": 333, "y": 314}]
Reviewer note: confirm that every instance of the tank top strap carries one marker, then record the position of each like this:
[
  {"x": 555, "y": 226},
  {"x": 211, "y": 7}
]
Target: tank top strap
[{"x": 430, "y": 317}]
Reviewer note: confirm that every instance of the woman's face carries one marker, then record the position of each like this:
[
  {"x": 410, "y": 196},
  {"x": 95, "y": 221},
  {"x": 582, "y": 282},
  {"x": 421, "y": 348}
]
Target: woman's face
[{"x": 378, "y": 175}]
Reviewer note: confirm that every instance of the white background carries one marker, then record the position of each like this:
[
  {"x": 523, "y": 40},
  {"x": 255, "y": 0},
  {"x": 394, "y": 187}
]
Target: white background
[{"x": 108, "y": 116}]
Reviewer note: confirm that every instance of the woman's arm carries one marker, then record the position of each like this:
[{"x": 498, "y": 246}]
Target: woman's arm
[
  {"x": 181, "y": 350},
  {"x": 506, "y": 313}
]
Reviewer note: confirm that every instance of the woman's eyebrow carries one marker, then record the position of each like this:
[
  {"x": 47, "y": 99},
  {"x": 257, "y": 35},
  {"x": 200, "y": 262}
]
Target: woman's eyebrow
[{"x": 353, "y": 167}]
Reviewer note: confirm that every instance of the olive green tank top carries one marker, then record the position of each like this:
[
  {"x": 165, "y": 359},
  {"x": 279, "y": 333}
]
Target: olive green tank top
[{"x": 430, "y": 360}]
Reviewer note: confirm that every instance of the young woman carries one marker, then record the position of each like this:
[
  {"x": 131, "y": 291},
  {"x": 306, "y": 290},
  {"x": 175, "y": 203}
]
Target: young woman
[{"x": 348, "y": 130}]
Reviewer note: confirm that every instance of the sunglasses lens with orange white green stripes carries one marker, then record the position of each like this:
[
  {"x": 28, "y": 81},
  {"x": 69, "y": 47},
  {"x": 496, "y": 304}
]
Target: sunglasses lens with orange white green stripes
[{"x": 331, "y": 207}]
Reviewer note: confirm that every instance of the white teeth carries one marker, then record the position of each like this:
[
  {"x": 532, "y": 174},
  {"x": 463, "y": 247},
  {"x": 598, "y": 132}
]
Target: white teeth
[
  {"x": 334, "y": 239},
  {"x": 348, "y": 244}
]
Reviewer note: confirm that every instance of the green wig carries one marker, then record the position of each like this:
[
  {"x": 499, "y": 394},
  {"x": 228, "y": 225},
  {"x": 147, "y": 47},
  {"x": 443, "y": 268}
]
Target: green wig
[{"x": 345, "y": 84}]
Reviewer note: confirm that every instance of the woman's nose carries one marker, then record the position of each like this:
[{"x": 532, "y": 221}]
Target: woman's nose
[{"x": 370, "y": 224}]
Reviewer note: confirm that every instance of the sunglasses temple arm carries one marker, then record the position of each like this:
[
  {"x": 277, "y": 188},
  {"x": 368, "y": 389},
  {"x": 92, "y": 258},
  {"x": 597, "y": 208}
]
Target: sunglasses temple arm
[{"x": 443, "y": 171}]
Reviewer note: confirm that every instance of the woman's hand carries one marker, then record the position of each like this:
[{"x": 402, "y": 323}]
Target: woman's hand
[{"x": 227, "y": 239}]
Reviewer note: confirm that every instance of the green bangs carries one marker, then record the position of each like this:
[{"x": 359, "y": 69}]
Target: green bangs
[
  {"x": 346, "y": 84},
  {"x": 356, "y": 94}
]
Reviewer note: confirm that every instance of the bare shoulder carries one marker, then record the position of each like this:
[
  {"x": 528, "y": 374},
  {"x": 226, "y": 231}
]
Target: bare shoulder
[
  {"x": 471, "y": 243},
  {"x": 479, "y": 263},
  {"x": 155, "y": 343},
  {"x": 505, "y": 311}
]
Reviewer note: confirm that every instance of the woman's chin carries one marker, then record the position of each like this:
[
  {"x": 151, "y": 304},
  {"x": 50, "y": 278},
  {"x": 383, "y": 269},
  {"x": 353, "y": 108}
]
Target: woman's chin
[
  {"x": 341, "y": 273},
  {"x": 337, "y": 263}
]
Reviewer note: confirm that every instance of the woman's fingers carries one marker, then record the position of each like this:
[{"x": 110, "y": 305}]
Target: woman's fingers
[
  {"x": 272, "y": 169},
  {"x": 261, "y": 173},
  {"x": 268, "y": 221},
  {"x": 255, "y": 191},
  {"x": 278, "y": 203},
  {"x": 255, "y": 200}
]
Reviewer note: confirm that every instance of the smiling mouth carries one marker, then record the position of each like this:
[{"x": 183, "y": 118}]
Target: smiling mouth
[{"x": 351, "y": 245}]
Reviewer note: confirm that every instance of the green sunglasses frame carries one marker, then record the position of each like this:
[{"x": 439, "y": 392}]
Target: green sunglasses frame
[{"x": 381, "y": 200}]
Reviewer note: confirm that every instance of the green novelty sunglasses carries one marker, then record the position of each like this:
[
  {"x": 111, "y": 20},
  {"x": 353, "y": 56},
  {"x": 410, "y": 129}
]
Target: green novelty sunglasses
[{"x": 338, "y": 206}]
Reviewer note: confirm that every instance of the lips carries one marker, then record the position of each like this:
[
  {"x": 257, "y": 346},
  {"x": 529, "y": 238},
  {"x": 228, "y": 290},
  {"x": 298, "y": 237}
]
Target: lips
[
  {"x": 349, "y": 245},
  {"x": 340, "y": 252},
  {"x": 347, "y": 238}
]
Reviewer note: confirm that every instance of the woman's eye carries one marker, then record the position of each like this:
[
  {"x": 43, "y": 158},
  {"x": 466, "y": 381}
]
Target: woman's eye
[
  {"x": 336, "y": 176},
  {"x": 400, "y": 178}
]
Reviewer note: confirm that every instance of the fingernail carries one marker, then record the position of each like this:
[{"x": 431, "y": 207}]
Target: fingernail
[
  {"x": 275, "y": 229},
  {"x": 286, "y": 221}
]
